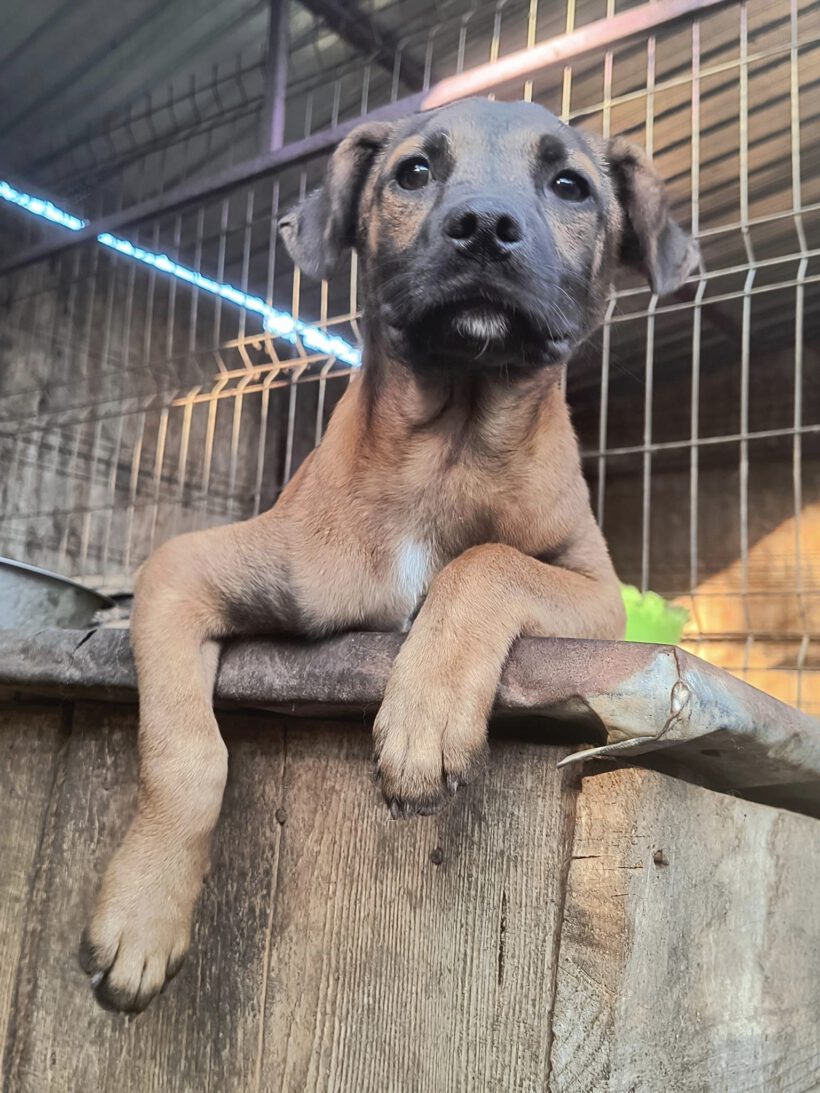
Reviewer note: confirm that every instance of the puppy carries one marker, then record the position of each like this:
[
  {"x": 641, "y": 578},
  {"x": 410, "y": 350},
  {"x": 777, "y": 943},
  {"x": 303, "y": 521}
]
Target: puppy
[{"x": 445, "y": 499}]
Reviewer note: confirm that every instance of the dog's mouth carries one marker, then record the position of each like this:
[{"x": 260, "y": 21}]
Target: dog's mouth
[{"x": 486, "y": 329}]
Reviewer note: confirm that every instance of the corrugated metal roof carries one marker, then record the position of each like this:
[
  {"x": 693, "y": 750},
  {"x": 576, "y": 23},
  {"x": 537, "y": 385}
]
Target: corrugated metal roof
[
  {"x": 89, "y": 89},
  {"x": 101, "y": 109}
]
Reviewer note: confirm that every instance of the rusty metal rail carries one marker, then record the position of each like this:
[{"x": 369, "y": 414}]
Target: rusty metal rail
[{"x": 647, "y": 705}]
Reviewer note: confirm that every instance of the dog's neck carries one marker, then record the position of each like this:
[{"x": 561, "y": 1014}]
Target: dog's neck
[{"x": 493, "y": 411}]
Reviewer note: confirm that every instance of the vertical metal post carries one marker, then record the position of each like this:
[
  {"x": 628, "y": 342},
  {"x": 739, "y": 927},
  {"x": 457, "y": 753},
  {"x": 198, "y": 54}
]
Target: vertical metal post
[
  {"x": 746, "y": 332},
  {"x": 799, "y": 334},
  {"x": 697, "y": 317},
  {"x": 272, "y": 135},
  {"x": 649, "y": 369}
]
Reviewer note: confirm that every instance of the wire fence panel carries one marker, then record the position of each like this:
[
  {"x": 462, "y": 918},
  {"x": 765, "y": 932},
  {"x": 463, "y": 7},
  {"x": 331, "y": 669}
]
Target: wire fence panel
[{"x": 134, "y": 406}]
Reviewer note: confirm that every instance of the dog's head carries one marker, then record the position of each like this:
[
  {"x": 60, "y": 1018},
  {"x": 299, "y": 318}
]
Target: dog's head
[{"x": 489, "y": 232}]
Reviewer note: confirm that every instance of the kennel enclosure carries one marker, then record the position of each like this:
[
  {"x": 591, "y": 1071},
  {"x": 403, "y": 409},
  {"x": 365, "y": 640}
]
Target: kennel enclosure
[
  {"x": 135, "y": 407},
  {"x": 644, "y": 932}
]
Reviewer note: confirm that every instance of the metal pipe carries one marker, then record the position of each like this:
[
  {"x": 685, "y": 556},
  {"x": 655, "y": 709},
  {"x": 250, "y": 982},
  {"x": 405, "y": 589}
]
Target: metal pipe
[
  {"x": 272, "y": 135},
  {"x": 517, "y": 67}
]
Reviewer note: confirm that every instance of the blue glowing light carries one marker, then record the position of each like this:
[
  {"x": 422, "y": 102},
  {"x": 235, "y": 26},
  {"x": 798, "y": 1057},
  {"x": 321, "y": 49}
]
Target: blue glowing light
[
  {"x": 280, "y": 324},
  {"x": 38, "y": 207}
]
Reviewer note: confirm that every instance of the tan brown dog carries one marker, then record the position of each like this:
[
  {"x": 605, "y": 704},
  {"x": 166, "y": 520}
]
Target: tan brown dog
[{"x": 447, "y": 490}]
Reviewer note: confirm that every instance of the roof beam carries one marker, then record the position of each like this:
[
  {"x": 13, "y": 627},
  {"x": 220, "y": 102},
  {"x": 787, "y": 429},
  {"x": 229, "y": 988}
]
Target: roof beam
[
  {"x": 272, "y": 121},
  {"x": 518, "y": 65},
  {"x": 350, "y": 24}
]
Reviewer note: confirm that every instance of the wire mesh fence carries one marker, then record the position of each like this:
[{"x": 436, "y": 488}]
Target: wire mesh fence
[{"x": 134, "y": 407}]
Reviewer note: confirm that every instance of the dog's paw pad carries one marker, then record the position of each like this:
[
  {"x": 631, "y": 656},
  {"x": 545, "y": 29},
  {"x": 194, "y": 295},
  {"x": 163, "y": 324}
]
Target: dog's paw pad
[{"x": 130, "y": 950}]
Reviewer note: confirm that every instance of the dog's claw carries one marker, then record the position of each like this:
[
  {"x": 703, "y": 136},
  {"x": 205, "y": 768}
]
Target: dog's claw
[
  {"x": 135, "y": 942},
  {"x": 405, "y": 810}
]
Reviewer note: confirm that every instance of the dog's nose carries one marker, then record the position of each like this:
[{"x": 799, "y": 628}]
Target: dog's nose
[{"x": 483, "y": 232}]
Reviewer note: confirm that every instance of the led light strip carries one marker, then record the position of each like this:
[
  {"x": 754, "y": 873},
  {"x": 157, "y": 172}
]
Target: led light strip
[{"x": 281, "y": 324}]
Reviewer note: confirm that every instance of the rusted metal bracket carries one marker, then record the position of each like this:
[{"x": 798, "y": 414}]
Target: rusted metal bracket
[
  {"x": 680, "y": 715},
  {"x": 648, "y": 705}
]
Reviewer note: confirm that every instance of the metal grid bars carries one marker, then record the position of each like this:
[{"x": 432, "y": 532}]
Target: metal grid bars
[
  {"x": 703, "y": 446},
  {"x": 342, "y": 61},
  {"x": 133, "y": 407}
]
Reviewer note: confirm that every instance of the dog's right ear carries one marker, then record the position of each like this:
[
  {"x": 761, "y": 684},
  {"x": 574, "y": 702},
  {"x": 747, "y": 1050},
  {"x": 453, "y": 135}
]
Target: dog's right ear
[
  {"x": 651, "y": 240},
  {"x": 323, "y": 226}
]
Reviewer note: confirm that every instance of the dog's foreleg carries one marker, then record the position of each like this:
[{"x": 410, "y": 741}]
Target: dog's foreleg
[
  {"x": 188, "y": 596},
  {"x": 430, "y": 733}
]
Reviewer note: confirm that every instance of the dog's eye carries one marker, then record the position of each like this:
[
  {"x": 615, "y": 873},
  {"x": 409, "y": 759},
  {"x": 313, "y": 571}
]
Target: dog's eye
[
  {"x": 570, "y": 187},
  {"x": 413, "y": 174}
]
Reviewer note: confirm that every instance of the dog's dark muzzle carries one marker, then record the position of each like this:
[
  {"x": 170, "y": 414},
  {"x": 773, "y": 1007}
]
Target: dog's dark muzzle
[
  {"x": 483, "y": 231},
  {"x": 485, "y": 326},
  {"x": 482, "y": 289}
]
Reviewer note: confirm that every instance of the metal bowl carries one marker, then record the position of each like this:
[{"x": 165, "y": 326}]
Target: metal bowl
[{"x": 32, "y": 599}]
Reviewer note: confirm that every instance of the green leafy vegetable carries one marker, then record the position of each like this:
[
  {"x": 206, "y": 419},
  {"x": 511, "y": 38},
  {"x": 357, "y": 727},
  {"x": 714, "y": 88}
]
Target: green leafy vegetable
[{"x": 651, "y": 618}]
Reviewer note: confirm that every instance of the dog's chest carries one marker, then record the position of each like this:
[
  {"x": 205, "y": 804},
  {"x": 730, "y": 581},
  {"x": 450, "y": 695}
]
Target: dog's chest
[
  {"x": 435, "y": 534},
  {"x": 412, "y": 571},
  {"x": 441, "y": 507}
]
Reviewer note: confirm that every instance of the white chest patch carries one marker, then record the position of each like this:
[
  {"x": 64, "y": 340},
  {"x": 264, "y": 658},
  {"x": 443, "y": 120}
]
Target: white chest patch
[{"x": 413, "y": 565}]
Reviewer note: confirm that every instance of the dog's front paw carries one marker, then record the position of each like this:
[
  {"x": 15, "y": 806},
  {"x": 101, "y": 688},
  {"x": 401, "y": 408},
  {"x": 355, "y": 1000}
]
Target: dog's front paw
[
  {"x": 427, "y": 743},
  {"x": 139, "y": 933}
]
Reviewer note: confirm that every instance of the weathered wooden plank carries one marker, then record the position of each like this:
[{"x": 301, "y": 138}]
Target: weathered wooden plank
[
  {"x": 391, "y": 972},
  {"x": 31, "y": 739},
  {"x": 347, "y": 951},
  {"x": 690, "y": 949},
  {"x": 203, "y": 1033}
]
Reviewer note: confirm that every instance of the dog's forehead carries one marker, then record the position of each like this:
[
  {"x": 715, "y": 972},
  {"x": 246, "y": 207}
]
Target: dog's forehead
[{"x": 475, "y": 125}]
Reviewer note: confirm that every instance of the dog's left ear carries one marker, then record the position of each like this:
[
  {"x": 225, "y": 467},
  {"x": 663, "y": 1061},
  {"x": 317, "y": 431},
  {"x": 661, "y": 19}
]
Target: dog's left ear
[
  {"x": 651, "y": 240},
  {"x": 323, "y": 226}
]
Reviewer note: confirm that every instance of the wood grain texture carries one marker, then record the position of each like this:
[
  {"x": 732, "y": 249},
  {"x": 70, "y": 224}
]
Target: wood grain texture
[
  {"x": 698, "y": 973},
  {"x": 391, "y": 972},
  {"x": 31, "y": 741},
  {"x": 203, "y": 1033},
  {"x": 525, "y": 939}
]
